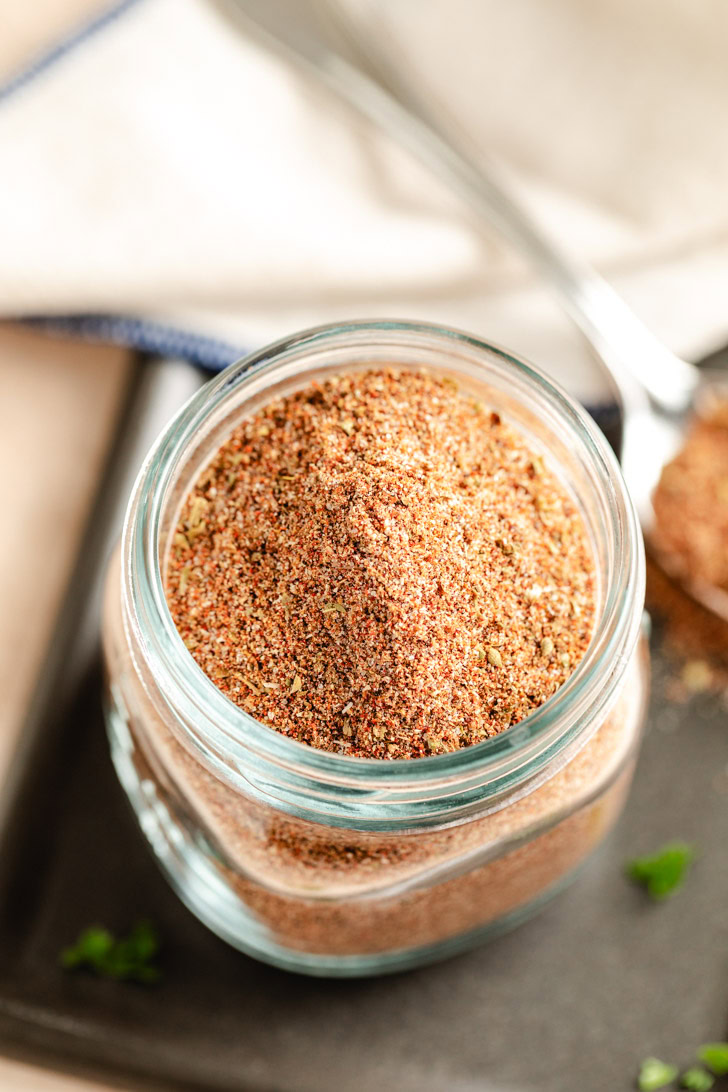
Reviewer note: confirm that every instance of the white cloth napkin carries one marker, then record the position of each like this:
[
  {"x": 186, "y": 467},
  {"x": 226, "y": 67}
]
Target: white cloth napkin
[{"x": 166, "y": 170}]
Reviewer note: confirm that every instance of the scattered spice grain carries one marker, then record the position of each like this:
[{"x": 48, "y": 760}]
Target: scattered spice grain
[
  {"x": 693, "y": 639},
  {"x": 372, "y": 565}
]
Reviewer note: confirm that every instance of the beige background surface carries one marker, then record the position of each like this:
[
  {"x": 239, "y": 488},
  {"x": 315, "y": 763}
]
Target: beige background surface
[
  {"x": 59, "y": 401},
  {"x": 58, "y": 404}
]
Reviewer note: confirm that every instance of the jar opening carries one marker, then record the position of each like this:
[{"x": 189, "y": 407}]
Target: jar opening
[{"x": 536, "y": 406}]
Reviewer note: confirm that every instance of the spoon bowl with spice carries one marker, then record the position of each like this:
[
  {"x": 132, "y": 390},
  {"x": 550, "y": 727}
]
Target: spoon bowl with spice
[{"x": 673, "y": 411}]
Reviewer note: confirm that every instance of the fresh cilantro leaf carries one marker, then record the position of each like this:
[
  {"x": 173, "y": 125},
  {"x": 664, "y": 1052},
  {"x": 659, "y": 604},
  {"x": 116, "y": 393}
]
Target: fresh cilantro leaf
[
  {"x": 697, "y": 1079},
  {"x": 715, "y": 1056},
  {"x": 129, "y": 958},
  {"x": 663, "y": 873},
  {"x": 655, "y": 1074}
]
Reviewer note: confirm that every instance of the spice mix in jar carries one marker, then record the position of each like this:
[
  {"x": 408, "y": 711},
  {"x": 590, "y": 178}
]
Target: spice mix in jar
[{"x": 376, "y": 683}]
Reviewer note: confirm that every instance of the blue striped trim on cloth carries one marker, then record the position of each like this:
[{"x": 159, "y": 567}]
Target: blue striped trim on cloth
[
  {"x": 149, "y": 337},
  {"x": 210, "y": 353},
  {"x": 66, "y": 45},
  {"x": 213, "y": 354}
]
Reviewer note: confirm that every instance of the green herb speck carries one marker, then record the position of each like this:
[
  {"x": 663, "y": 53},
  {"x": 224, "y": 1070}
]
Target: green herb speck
[
  {"x": 129, "y": 958},
  {"x": 655, "y": 1074},
  {"x": 697, "y": 1079},
  {"x": 715, "y": 1056},
  {"x": 664, "y": 872}
]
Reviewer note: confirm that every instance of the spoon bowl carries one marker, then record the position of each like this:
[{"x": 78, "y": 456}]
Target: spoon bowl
[{"x": 647, "y": 453}]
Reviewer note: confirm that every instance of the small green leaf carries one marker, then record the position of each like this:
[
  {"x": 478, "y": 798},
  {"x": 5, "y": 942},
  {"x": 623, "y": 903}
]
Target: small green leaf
[
  {"x": 93, "y": 945},
  {"x": 715, "y": 1056},
  {"x": 655, "y": 1074},
  {"x": 664, "y": 872},
  {"x": 129, "y": 958},
  {"x": 697, "y": 1079}
]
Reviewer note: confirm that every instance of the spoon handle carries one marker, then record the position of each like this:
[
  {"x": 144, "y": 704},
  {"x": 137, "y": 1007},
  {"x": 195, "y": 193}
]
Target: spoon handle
[{"x": 361, "y": 75}]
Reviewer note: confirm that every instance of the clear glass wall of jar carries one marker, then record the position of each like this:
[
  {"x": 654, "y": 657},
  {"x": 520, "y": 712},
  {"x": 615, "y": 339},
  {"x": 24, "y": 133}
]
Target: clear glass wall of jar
[{"x": 333, "y": 865}]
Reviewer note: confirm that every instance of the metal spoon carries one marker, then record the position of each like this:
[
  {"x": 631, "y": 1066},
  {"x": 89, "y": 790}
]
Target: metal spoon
[{"x": 659, "y": 391}]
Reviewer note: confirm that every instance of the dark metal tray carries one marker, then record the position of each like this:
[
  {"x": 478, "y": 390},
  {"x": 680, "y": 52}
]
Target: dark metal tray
[{"x": 570, "y": 1002}]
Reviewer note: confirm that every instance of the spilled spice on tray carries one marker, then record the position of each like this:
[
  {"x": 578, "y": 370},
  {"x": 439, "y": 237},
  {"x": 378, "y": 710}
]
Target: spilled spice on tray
[
  {"x": 378, "y": 565},
  {"x": 693, "y": 639},
  {"x": 691, "y": 502}
]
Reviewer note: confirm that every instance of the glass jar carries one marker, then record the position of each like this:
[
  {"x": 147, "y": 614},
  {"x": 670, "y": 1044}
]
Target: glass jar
[{"x": 333, "y": 865}]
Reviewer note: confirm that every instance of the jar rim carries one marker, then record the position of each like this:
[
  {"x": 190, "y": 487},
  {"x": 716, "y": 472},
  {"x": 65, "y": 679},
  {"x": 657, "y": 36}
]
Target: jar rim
[{"x": 219, "y": 724}]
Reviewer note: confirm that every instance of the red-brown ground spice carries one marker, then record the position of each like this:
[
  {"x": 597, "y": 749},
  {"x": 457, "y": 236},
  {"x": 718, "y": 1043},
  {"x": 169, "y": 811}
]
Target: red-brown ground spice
[
  {"x": 378, "y": 565},
  {"x": 691, "y": 503}
]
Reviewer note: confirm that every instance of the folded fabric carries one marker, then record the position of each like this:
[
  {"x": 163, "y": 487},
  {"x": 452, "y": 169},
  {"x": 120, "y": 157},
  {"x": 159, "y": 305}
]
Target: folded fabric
[{"x": 168, "y": 183}]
